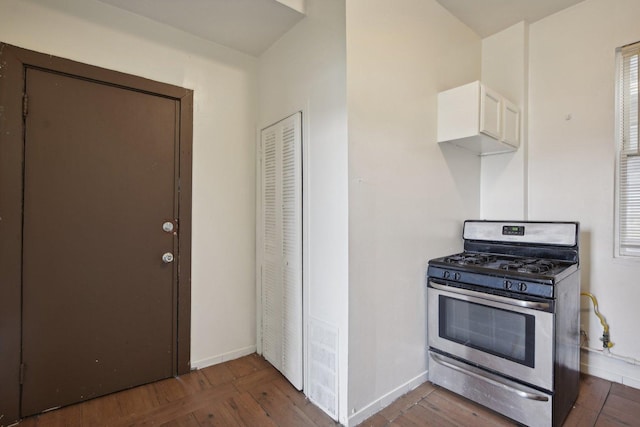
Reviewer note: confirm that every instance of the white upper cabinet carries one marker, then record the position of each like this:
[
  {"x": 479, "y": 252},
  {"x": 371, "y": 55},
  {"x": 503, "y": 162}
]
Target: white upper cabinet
[{"x": 478, "y": 119}]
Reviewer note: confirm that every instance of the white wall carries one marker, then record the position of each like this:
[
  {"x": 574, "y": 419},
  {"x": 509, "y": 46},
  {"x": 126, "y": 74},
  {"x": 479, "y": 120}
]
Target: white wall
[
  {"x": 306, "y": 71},
  {"x": 572, "y": 160},
  {"x": 505, "y": 58},
  {"x": 224, "y": 84},
  {"x": 408, "y": 195}
]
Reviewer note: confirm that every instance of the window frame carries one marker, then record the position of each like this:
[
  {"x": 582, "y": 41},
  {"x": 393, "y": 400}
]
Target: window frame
[{"x": 621, "y": 250}]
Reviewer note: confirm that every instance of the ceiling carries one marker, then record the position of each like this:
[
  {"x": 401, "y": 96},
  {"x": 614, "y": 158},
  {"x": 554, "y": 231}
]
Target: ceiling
[
  {"x": 487, "y": 17},
  {"x": 251, "y": 26}
]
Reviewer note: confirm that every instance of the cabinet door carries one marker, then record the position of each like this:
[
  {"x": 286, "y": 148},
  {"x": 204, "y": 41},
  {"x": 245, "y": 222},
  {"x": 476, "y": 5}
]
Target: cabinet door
[
  {"x": 510, "y": 123},
  {"x": 490, "y": 112}
]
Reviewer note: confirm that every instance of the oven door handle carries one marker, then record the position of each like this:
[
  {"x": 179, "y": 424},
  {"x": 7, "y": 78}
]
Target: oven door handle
[
  {"x": 522, "y": 393},
  {"x": 497, "y": 298}
]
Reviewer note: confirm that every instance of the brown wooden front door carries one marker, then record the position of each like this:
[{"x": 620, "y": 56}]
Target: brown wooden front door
[{"x": 99, "y": 303}]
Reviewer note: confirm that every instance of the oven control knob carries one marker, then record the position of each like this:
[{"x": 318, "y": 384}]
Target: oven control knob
[
  {"x": 522, "y": 286},
  {"x": 456, "y": 276},
  {"x": 508, "y": 284},
  {"x": 446, "y": 274}
]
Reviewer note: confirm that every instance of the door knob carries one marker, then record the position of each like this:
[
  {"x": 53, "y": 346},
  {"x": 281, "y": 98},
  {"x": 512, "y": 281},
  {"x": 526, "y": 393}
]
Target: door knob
[
  {"x": 167, "y": 258},
  {"x": 167, "y": 226}
]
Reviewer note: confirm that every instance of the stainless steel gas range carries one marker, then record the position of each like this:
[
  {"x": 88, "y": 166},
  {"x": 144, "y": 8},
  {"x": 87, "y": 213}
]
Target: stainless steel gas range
[{"x": 503, "y": 319}]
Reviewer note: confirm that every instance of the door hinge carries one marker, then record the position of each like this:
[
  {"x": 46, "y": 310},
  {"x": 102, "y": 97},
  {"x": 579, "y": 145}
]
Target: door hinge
[
  {"x": 21, "y": 373},
  {"x": 25, "y": 105}
]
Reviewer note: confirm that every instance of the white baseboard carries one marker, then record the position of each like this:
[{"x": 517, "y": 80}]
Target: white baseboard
[
  {"x": 611, "y": 367},
  {"x": 384, "y": 401},
  {"x": 214, "y": 360}
]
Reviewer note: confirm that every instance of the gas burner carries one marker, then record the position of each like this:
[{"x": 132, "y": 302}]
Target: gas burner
[
  {"x": 529, "y": 265},
  {"x": 470, "y": 259}
]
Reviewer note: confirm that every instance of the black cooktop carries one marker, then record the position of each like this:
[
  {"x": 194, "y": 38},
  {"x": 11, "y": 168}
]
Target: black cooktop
[
  {"x": 507, "y": 263},
  {"x": 520, "y": 274}
]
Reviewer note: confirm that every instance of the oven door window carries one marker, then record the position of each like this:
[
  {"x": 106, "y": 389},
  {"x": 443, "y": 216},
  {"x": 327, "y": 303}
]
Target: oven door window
[{"x": 500, "y": 332}]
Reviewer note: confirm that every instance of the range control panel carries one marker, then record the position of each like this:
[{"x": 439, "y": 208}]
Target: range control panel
[
  {"x": 522, "y": 232},
  {"x": 513, "y": 230}
]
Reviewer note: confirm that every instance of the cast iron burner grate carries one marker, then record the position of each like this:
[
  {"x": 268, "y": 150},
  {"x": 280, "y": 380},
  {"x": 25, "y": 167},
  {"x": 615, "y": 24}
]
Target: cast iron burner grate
[
  {"x": 529, "y": 266},
  {"x": 470, "y": 259}
]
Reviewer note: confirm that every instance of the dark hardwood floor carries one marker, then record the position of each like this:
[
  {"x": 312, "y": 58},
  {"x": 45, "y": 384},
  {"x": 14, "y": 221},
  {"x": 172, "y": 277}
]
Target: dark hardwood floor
[
  {"x": 243, "y": 392},
  {"x": 250, "y": 392}
]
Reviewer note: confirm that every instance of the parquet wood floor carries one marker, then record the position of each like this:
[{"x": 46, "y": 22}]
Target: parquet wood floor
[{"x": 250, "y": 392}]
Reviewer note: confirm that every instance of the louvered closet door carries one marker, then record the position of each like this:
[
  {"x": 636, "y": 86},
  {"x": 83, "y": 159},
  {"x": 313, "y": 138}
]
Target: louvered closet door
[{"x": 282, "y": 247}]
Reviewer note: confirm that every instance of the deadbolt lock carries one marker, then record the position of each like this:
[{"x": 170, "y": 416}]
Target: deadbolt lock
[
  {"x": 167, "y": 258},
  {"x": 167, "y": 226}
]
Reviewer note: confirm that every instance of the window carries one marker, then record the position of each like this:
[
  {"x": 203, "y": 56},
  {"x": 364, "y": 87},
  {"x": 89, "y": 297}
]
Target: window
[{"x": 628, "y": 168}]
